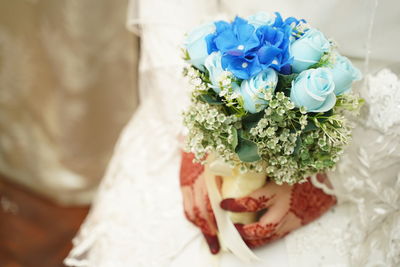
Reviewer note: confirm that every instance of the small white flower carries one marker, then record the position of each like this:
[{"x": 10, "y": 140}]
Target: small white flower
[
  {"x": 268, "y": 95},
  {"x": 290, "y": 105}
]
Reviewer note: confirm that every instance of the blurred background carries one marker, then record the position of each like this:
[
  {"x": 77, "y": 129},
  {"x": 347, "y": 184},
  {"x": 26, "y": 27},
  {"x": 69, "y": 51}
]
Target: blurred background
[{"x": 68, "y": 83}]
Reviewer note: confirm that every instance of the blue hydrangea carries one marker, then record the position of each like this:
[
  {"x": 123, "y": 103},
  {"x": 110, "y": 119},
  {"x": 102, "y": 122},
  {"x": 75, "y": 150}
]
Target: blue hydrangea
[{"x": 247, "y": 50}]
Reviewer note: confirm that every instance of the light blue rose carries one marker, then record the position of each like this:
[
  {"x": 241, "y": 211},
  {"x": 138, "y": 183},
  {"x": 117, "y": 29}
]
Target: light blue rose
[
  {"x": 213, "y": 65},
  {"x": 252, "y": 90},
  {"x": 196, "y": 44},
  {"x": 314, "y": 90},
  {"x": 308, "y": 50},
  {"x": 261, "y": 19},
  {"x": 344, "y": 73}
]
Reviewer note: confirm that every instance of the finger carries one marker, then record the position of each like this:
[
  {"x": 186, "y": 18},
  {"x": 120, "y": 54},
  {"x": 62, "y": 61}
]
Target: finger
[
  {"x": 205, "y": 220},
  {"x": 260, "y": 242},
  {"x": 290, "y": 223},
  {"x": 202, "y": 208},
  {"x": 188, "y": 202},
  {"x": 271, "y": 221},
  {"x": 280, "y": 208},
  {"x": 258, "y": 234},
  {"x": 256, "y": 201},
  {"x": 210, "y": 214},
  {"x": 256, "y": 231},
  {"x": 213, "y": 243},
  {"x": 190, "y": 170}
]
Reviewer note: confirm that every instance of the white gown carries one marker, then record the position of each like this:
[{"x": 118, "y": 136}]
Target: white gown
[{"x": 137, "y": 218}]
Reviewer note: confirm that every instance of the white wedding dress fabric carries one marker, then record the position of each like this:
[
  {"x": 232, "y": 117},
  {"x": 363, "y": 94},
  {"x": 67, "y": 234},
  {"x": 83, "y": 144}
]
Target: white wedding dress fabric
[
  {"x": 364, "y": 228},
  {"x": 137, "y": 218}
]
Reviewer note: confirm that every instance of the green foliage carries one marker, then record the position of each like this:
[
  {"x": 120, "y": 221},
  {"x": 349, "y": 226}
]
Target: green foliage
[
  {"x": 310, "y": 127},
  {"x": 247, "y": 150},
  {"x": 249, "y": 121},
  {"x": 326, "y": 60},
  {"x": 285, "y": 83},
  {"x": 210, "y": 99},
  {"x": 185, "y": 54},
  {"x": 286, "y": 142},
  {"x": 235, "y": 138}
]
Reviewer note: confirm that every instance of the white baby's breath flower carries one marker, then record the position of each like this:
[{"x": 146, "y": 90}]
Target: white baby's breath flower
[
  {"x": 263, "y": 123},
  {"x": 221, "y": 117},
  {"x": 280, "y": 111},
  {"x": 280, "y": 96},
  {"x": 268, "y": 95},
  {"x": 290, "y": 105},
  {"x": 254, "y": 131},
  {"x": 303, "y": 120},
  {"x": 192, "y": 73}
]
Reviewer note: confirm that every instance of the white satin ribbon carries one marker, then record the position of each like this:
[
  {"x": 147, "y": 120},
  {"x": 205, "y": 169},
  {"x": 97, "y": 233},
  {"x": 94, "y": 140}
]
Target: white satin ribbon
[{"x": 229, "y": 237}]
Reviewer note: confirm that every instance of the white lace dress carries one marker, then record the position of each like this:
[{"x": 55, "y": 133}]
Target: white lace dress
[{"x": 137, "y": 218}]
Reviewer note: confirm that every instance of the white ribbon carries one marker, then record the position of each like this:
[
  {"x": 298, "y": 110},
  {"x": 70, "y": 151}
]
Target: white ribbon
[{"x": 229, "y": 237}]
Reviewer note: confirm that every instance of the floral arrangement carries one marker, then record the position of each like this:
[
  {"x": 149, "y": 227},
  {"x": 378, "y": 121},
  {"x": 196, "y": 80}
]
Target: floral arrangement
[{"x": 269, "y": 95}]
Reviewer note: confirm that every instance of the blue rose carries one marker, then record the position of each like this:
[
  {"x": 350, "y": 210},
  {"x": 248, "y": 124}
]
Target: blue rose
[
  {"x": 314, "y": 90},
  {"x": 196, "y": 44},
  {"x": 213, "y": 65},
  {"x": 308, "y": 50},
  {"x": 261, "y": 19},
  {"x": 253, "y": 90},
  {"x": 344, "y": 73}
]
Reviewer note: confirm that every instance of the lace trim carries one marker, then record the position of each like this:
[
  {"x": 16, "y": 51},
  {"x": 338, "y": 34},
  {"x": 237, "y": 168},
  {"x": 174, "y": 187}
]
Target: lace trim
[{"x": 383, "y": 95}]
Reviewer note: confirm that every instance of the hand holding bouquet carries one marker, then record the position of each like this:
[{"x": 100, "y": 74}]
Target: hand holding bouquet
[
  {"x": 289, "y": 207},
  {"x": 270, "y": 99}
]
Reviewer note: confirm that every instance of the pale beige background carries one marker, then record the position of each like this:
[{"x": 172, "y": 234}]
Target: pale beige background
[{"x": 67, "y": 86}]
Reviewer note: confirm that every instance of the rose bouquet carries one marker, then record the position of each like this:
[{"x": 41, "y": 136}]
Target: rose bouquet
[{"x": 270, "y": 99}]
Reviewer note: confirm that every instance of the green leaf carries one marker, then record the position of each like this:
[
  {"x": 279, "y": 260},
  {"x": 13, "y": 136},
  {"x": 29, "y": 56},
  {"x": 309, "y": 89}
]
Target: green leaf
[
  {"x": 185, "y": 54},
  {"x": 251, "y": 120},
  {"x": 247, "y": 150},
  {"x": 326, "y": 114},
  {"x": 235, "y": 138},
  {"x": 285, "y": 82},
  {"x": 325, "y": 61},
  {"x": 294, "y": 127},
  {"x": 210, "y": 99},
  {"x": 298, "y": 145},
  {"x": 310, "y": 127}
]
